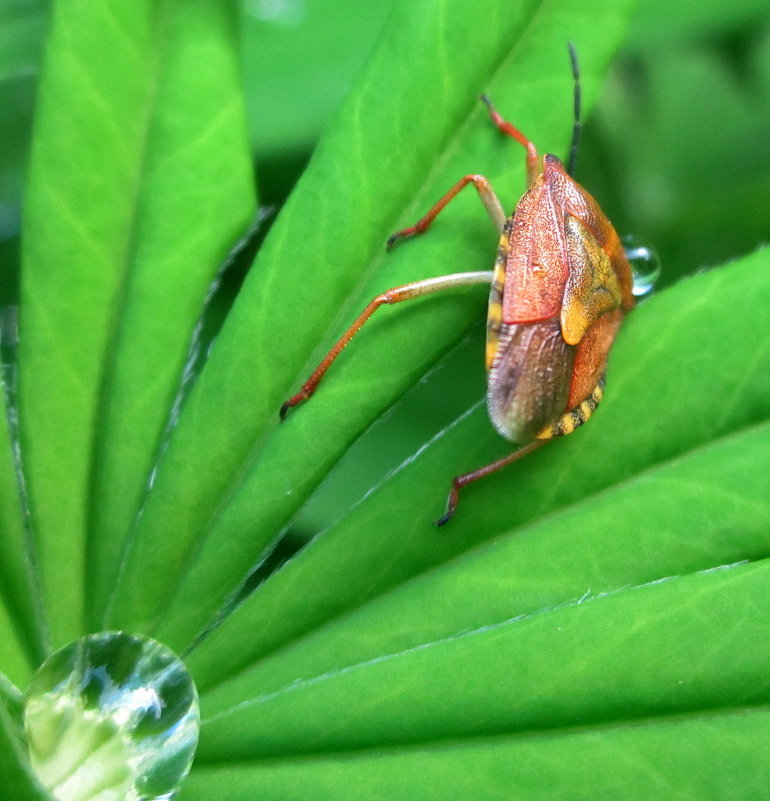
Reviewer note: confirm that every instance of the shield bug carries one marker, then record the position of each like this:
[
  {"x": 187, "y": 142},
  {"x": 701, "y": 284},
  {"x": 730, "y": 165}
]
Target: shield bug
[{"x": 560, "y": 286}]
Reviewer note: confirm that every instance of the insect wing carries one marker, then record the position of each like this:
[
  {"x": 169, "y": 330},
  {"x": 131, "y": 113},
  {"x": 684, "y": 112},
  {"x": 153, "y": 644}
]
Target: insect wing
[{"x": 536, "y": 269}]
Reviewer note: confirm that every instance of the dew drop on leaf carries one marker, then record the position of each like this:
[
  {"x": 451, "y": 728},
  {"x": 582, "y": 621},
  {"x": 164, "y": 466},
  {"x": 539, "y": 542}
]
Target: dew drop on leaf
[
  {"x": 645, "y": 264},
  {"x": 111, "y": 717}
]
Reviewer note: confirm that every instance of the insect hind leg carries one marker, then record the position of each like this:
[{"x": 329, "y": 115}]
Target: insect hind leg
[
  {"x": 458, "y": 482},
  {"x": 566, "y": 424}
]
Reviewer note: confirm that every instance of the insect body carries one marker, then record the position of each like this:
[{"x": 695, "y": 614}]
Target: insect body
[{"x": 559, "y": 289}]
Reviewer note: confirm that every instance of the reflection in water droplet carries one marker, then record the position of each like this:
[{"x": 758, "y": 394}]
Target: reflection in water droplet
[
  {"x": 112, "y": 717},
  {"x": 645, "y": 263}
]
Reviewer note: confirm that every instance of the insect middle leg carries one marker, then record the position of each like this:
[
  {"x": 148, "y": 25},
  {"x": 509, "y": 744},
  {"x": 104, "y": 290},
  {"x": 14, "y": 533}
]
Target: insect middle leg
[
  {"x": 398, "y": 294},
  {"x": 414, "y": 289}
]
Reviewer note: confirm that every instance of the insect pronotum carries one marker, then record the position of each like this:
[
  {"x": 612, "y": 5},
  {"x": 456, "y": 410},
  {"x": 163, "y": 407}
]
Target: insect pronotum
[{"x": 560, "y": 286}]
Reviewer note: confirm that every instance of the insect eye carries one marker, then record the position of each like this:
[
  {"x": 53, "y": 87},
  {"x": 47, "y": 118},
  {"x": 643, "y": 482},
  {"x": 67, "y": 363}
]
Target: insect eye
[{"x": 645, "y": 264}]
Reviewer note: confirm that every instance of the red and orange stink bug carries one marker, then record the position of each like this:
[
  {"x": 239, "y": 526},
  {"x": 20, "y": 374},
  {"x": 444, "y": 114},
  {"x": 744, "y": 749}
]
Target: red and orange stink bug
[{"x": 559, "y": 289}]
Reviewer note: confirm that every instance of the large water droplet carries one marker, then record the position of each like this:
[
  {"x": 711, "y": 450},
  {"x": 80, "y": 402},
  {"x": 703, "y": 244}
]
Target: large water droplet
[
  {"x": 112, "y": 717},
  {"x": 645, "y": 264}
]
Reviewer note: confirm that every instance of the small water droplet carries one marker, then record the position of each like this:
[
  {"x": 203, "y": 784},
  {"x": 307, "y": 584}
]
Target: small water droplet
[
  {"x": 645, "y": 264},
  {"x": 112, "y": 716}
]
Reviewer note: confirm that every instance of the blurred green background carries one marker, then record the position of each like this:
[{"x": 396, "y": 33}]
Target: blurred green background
[{"x": 677, "y": 152}]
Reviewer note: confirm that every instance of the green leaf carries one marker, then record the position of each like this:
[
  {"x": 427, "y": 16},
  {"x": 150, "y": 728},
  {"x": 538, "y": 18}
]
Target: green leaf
[
  {"x": 15, "y": 661},
  {"x": 230, "y": 480},
  {"x": 644, "y": 652},
  {"x": 138, "y": 185},
  {"x": 22, "y": 631},
  {"x": 711, "y": 756}
]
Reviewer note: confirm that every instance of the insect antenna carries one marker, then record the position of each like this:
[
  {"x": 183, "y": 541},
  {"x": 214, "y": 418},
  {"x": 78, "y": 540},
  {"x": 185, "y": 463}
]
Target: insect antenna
[{"x": 576, "y": 109}]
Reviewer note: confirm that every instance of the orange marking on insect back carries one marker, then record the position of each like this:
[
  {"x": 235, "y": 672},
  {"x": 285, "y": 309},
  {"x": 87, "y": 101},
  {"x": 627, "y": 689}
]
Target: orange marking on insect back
[{"x": 593, "y": 289}]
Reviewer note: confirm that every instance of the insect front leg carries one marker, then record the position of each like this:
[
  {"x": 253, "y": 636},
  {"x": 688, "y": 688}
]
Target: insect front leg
[
  {"x": 486, "y": 194},
  {"x": 509, "y": 129},
  {"x": 398, "y": 294}
]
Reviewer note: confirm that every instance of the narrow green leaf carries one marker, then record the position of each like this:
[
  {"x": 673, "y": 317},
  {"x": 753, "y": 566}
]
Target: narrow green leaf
[
  {"x": 136, "y": 189},
  {"x": 82, "y": 190},
  {"x": 230, "y": 480},
  {"x": 22, "y": 631},
  {"x": 15, "y": 660},
  {"x": 10, "y": 696},
  {"x": 682, "y": 646},
  {"x": 716, "y": 756},
  {"x": 197, "y": 199}
]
